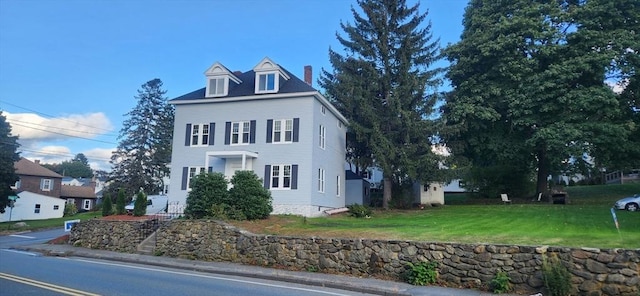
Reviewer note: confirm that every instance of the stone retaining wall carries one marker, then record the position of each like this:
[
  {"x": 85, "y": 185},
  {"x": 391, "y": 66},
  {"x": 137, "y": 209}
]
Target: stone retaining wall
[{"x": 595, "y": 271}]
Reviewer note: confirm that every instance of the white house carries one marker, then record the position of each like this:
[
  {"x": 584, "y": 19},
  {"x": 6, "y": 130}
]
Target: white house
[
  {"x": 33, "y": 206},
  {"x": 266, "y": 120}
]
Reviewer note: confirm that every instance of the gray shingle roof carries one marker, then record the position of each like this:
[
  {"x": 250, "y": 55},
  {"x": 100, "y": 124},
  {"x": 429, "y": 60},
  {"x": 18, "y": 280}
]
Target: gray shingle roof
[{"x": 247, "y": 87}]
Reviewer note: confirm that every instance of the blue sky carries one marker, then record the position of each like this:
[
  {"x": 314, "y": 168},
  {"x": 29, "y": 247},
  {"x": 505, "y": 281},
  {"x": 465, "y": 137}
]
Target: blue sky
[{"x": 69, "y": 70}]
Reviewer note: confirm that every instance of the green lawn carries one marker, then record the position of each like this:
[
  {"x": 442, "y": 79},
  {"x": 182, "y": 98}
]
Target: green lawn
[
  {"x": 44, "y": 224},
  {"x": 586, "y": 222}
]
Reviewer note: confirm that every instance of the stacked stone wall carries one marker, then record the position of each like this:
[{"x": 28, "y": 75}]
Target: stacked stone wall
[{"x": 594, "y": 271}]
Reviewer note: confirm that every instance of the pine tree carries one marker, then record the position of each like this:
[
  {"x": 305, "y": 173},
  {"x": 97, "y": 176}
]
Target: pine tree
[
  {"x": 120, "y": 202},
  {"x": 140, "y": 205},
  {"x": 107, "y": 206},
  {"x": 385, "y": 85},
  {"x": 8, "y": 156},
  {"x": 144, "y": 152}
]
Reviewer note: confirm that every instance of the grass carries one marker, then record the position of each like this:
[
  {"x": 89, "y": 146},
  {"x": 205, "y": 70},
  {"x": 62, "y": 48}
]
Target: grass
[
  {"x": 586, "y": 222},
  {"x": 48, "y": 223}
]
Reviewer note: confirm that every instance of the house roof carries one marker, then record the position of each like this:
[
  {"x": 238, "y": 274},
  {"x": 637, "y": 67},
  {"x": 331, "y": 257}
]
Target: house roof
[
  {"x": 26, "y": 167},
  {"x": 68, "y": 191},
  {"x": 247, "y": 87},
  {"x": 350, "y": 175}
]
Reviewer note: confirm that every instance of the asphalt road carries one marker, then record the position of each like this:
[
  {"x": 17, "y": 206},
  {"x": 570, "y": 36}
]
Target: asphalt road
[{"x": 27, "y": 273}]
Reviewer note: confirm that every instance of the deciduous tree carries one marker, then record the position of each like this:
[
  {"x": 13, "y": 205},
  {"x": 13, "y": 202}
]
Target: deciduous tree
[
  {"x": 384, "y": 83},
  {"x": 529, "y": 93}
]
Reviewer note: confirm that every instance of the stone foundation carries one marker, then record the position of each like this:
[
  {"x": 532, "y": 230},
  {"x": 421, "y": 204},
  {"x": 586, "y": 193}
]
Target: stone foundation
[{"x": 595, "y": 271}]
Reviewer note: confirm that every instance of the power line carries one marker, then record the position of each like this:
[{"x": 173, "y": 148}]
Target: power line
[
  {"x": 67, "y": 135},
  {"x": 51, "y": 116},
  {"x": 63, "y": 154},
  {"x": 60, "y": 128}
]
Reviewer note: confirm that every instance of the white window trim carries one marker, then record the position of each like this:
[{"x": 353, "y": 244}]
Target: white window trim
[
  {"x": 86, "y": 204},
  {"x": 323, "y": 110},
  {"x": 338, "y": 186},
  {"x": 339, "y": 124},
  {"x": 37, "y": 209},
  {"x": 200, "y": 134},
  {"x": 322, "y": 136},
  {"x": 276, "y": 84},
  {"x": 56, "y": 207},
  {"x": 197, "y": 171},
  {"x": 283, "y": 131},
  {"x": 225, "y": 87},
  {"x": 241, "y": 132},
  {"x": 321, "y": 180},
  {"x": 46, "y": 184},
  {"x": 281, "y": 176}
]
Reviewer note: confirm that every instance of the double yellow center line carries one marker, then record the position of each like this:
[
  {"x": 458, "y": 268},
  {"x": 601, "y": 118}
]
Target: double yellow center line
[{"x": 43, "y": 285}]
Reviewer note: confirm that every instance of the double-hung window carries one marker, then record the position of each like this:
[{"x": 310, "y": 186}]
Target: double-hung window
[
  {"x": 281, "y": 176},
  {"x": 46, "y": 184},
  {"x": 200, "y": 135},
  {"x": 266, "y": 82},
  {"x": 283, "y": 131},
  {"x": 321, "y": 136},
  {"x": 321, "y": 174},
  {"x": 37, "y": 209},
  {"x": 189, "y": 174},
  {"x": 240, "y": 132},
  {"x": 338, "y": 189},
  {"x": 216, "y": 87}
]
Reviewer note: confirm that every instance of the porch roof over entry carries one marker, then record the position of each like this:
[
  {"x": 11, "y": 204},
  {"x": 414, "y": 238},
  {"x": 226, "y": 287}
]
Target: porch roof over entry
[{"x": 232, "y": 154}]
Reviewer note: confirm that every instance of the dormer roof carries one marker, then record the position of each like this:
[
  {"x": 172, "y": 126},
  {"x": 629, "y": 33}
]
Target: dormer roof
[{"x": 217, "y": 69}]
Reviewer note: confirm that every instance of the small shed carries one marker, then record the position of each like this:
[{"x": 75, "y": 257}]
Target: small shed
[
  {"x": 357, "y": 190},
  {"x": 429, "y": 193}
]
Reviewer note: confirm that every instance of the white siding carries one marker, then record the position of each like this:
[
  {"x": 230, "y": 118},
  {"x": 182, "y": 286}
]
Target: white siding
[{"x": 25, "y": 207}]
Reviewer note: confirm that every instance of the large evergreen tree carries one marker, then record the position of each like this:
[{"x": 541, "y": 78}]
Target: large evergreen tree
[
  {"x": 382, "y": 84},
  {"x": 144, "y": 152},
  {"x": 8, "y": 156},
  {"x": 529, "y": 94}
]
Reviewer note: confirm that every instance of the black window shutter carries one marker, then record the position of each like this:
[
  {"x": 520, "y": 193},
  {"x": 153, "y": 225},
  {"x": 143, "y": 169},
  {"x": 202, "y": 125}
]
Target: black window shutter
[
  {"x": 269, "y": 130},
  {"x": 267, "y": 176},
  {"x": 185, "y": 175},
  {"x": 227, "y": 133},
  {"x": 212, "y": 132},
  {"x": 187, "y": 135},
  {"x": 296, "y": 127},
  {"x": 294, "y": 176},
  {"x": 252, "y": 132}
]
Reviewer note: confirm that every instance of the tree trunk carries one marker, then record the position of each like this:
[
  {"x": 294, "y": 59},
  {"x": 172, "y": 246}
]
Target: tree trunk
[
  {"x": 543, "y": 172},
  {"x": 386, "y": 195}
]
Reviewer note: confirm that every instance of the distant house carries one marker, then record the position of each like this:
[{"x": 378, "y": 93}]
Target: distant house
[
  {"x": 38, "y": 192},
  {"x": 270, "y": 122},
  {"x": 84, "y": 197}
]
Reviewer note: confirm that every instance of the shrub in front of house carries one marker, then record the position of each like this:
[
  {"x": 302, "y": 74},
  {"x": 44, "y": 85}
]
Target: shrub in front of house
[
  {"x": 70, "y": 209},
  {"x": 207, "y": 190},
  {"x": 249, "y": 197},
  {"x": 359, "y": 211}
]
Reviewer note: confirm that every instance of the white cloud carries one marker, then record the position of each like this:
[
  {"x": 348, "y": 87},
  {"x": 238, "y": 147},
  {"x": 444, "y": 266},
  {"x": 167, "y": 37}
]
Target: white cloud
[
  {"x": 30, "y": 127},
  {"x": 619, "y": 86},
  {"x": 99, "y": 158}
]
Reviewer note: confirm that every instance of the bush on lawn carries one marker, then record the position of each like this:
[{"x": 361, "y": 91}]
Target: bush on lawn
[
  {"x": 70, "y": 209},
  {"x": 140, "y": 205},
  {"x": 207, "y": 190},
  {"x": 359, "y": 211},
  {"x": 107, "y": 206},
  {"x": 556, "y": 277},
  {"x": 120, "y": 203},
  {"x": 249, "y": 199}
]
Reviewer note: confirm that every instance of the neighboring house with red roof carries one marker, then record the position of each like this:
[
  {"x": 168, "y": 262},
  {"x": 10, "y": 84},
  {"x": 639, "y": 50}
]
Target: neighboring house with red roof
[
  {"x": 84, "y": 197},
  {"x": 38, "y": 192}
]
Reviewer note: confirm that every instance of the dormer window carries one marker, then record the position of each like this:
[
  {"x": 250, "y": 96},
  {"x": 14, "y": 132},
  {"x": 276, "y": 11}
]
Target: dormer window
[
  {"x": 269, "y": 77},
  {"x": 219, "y": 81},
  {"x": 216, "y": 87},
  {"x": 267, "y": 82}
]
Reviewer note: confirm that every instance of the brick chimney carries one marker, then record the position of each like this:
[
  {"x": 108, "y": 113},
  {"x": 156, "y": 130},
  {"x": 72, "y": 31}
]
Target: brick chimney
[
  {"x": 308, "y": 75},
  {"x": 37, "y": 161}
]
